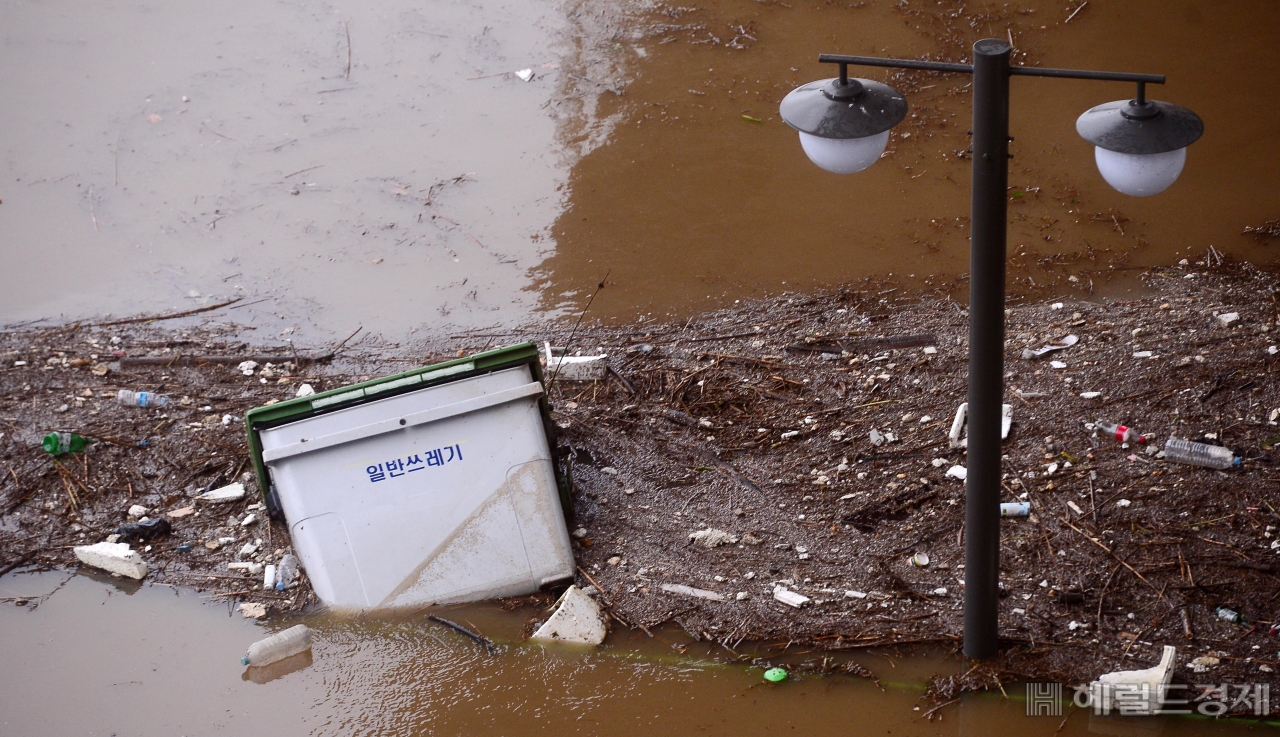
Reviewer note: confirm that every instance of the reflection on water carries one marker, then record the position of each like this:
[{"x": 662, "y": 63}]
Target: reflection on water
[{"x": 87, "y": 657}]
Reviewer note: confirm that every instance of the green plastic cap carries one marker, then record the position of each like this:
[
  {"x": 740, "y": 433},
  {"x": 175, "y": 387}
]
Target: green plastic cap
[
  {"x": 774, "y": 675},
  {"x": 244, "y": 660}
]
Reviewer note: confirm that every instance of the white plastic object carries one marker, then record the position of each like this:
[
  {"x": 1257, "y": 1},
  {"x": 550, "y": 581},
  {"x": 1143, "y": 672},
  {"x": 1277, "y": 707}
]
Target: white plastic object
[
  {"x": 296, "y": 639},
  {"x": 1143, "y": 690},
  {"x": 1015, "y": 509},
  {"x": 577, "y": 619},
  {"x": 844, "y": 155},
  {"x": 269, "y": 578},
  {"x": 960, "y": 425},
  {"x": 440, "y": 495},
  {"x": 1140, "y": 175},
  {"x": 575, "y": 368},
  {"x": 1121, "y": 433},
  {"x": 789, "y": 597},
  {"x": 130, "y": 398},
  {"x": 115, "y": 558},
  {"x": 1199, "y": 454},
  {"x": 285, "y": 572}
]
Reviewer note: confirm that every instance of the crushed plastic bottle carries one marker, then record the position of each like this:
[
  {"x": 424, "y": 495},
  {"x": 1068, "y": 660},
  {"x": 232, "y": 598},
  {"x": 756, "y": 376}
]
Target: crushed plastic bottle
[
  {"x": 1229, "y": 615},
  {"x": 296, "y": 639},
  {"x": 1121, "y": 433},
  {"x": 1015, "y": 509},
  {"x": 140, "y": 399},
  {"x": 1199, "y": 454},
  {"x": 61, "y": 443},
  {"x": 285, "y": 572}
]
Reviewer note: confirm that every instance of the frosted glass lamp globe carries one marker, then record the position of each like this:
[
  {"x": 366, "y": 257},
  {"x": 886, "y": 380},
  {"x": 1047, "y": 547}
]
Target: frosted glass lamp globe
[
  {"x": 844, "y": 155},
  {"x": 1140, "y": 175}
]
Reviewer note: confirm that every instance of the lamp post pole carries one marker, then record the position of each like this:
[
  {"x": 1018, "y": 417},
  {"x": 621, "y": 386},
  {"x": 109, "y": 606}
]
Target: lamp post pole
[
  {"x": 1141, "y": 147},
  {"x": 986, "y": 344}
]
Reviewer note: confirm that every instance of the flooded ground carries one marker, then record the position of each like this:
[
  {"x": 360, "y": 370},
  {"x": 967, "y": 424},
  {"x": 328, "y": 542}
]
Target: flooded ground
[
  {"x": 342, "y": 165},
  {"x": 149, "y": 659}
]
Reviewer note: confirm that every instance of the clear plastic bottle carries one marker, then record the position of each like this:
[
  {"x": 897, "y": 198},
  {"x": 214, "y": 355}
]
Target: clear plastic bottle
[
  {"x": 131, "y": 398},
  {"x": 1121, "y": 433},
  {"x": 1229, "y": 615},
  {"x": 1199, "y": 454},
  {"x": 296, "y": 639},
  {"x": 285, "y": 572}
]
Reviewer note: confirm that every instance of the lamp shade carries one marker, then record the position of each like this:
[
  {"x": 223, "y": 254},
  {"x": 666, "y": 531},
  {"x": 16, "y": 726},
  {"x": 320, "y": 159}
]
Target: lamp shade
[
  {"x": 843, "y": 123},
  {"x": 844, "y": 155},
  {"x": 1141, "y": 145},
  {"x": 1140, "y": 175}
]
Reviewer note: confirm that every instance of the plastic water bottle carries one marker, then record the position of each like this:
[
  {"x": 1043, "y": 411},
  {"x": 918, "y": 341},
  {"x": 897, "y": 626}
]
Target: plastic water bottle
[
  {"x": 296, "y": 639},
  {"x": 285, "y": 572},
  {"x": 1015, "y": 509},
  {"x": 1199, "y": 454},
  {"x": 61, "y": 443},
  {"x": 1229, "y": 615},
  {"x": 140, "y": 399},
  {"x": 1121, "y": 433}
]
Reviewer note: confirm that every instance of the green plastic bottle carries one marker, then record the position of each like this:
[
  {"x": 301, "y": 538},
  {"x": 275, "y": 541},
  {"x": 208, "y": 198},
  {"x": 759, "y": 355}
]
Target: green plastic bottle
[{"x": 60, "y": 443}]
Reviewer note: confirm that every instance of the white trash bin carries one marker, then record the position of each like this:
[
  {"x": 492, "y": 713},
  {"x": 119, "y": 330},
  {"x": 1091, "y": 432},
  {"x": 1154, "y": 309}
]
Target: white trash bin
[{"x": 431, "y": 496}]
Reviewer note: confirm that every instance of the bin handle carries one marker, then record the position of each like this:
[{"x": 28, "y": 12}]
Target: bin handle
[{"x": 307, "y": 445}]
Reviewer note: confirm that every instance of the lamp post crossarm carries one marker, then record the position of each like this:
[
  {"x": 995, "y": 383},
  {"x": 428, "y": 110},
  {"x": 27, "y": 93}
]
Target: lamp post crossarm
[{"x": 937, "y": 66}]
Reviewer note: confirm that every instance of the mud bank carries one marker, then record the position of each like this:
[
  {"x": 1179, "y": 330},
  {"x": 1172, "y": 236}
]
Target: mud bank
[{"x": 759, "y": 421}]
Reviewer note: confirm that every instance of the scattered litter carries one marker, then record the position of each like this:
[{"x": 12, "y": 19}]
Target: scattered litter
[
  {"x": 1075, "y": 508},
  {"x": 1048, "y": 348},
  {"x": 269, "y": 578},
  {"x": 1015, "y": 509},
  {"x": 247, "y": 367},
  {"x": 920, "y": 560},
  {"x": 676, "y": 588},
  {"x": 1227, "y": 319},
  {"x": 115, "y": 558},
  {"x": 1057, "y": 365},
  {"x": 140, "y": 399},
  {"x": 1142, "y": 354},
  {"x": 1123, "y": 503},
  {"x": 1090, "y": 395},
  {"x": 137, "y": 510},
  {"x": 1144, "y": 689},
  {"x": 577, "y": 619},
  {"x": 775, "y": 675},
  {"x": 230, "y": 493},
  {"x": 296, "y": 639},
  {"x": 144, "y": 529},
  {"x": 1203, "y": 663},
  {"x": 525, "y": 75},
  {"x": 306, "y": 390},
  {"x": 180, "y": 513},
  {"x": 711, "y": 537},
  {"x": 575, "y": 368},
  {"x": 958, "y": 435},
  {"x": 957, "y": 472},
  {"x": 253, "y": 610},
  {"x": 789, "y": 597},
  {"x": 286, "y": 571},
  {"x": 1199, "y": 454},
  {"x": 877, "y": 439},
  {"x": 1121, "y": 433},
  {"x": 856, "y": 594}
]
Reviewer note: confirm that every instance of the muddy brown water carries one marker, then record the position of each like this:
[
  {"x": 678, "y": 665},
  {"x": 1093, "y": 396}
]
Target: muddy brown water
[
  {"x": 88, "y": 654},
  {"x": 151, "y": 153}
]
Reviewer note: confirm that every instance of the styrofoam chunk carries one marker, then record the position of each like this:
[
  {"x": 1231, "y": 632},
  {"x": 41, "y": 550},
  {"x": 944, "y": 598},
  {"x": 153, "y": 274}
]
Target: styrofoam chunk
[
  {"x": 676, "y": 588},
  {"x": 1148, "y": 686},
  {"x": 789, "y": 597},
  {"x": 231, "y": 493},
  {"x": 577, "y": 619},
  {"x": 957, "y": 472},
  {"x": 116, "y": 558},
  {"x": 578, "y": 368}
]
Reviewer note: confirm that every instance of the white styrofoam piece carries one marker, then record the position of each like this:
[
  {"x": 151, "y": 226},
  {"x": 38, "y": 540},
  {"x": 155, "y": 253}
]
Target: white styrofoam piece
[
  {"x": 789, "y": 597},
  {"x": 230, "y": 493},
  {"x": 1144, "y": 689},
  {"x": 116, "y": 558},
  {"x": 958, "y": 435},
  {"x": 958, "y": 472},
  {"x": 577, "y": 619},
  {"x": 574, "y": 368},
  {"x": 483, "y": 522},
  {"x": 676, "y": 588}
]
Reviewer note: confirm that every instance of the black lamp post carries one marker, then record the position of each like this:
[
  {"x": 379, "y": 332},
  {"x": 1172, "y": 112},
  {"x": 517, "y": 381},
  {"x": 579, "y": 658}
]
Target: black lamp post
[{"x": 1140, "y": 150}]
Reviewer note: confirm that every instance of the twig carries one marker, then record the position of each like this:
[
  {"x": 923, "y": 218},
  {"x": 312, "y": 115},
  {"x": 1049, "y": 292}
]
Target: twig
[
  {"x": 488, "y": 644},
  {"x": 303, "y": 171},
  {"x": 939, "y": 706},
  {"x": 569, "y": 343},
  {"x": 170, "y": 316},
  {"x": 344, "y": 342},
  {"x": 1068, "y": 20},
  {"x": 348, "y": 32},
  {"x": 181, "y": 360}
]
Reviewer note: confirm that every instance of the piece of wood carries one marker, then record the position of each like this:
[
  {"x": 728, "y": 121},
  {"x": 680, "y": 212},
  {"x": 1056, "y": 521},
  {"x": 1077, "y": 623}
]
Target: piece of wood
[
  {"x": 170, "y": 316},
  {"x": 181, "y": 360}
]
